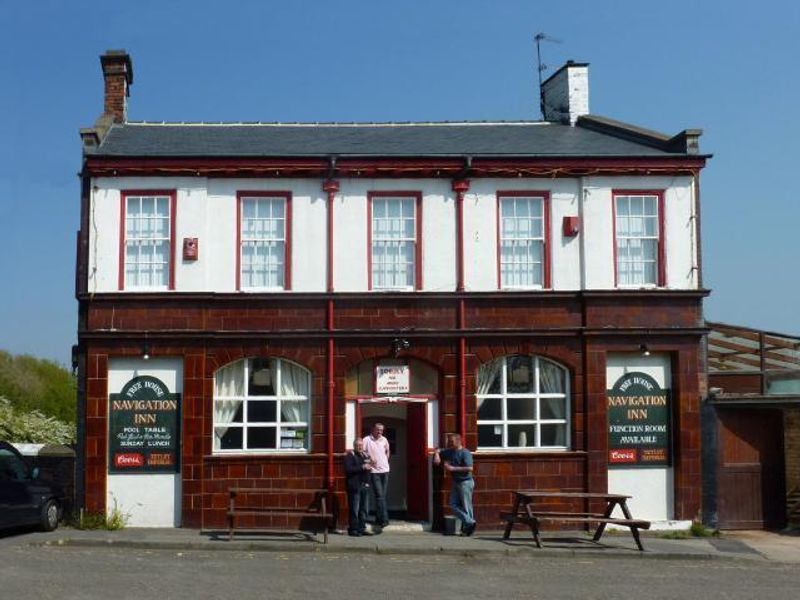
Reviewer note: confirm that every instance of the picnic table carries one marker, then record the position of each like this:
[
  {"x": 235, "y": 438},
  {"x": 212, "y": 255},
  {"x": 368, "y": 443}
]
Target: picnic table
[
  {"x": 532, "y": 507},
  {"x": 282, "y": 504}
]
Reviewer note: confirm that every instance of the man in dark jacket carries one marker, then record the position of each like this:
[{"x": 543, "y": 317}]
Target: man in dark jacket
[{"x": 357, "y": 466}]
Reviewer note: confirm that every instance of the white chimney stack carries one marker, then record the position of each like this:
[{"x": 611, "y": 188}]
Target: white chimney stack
[{"x": 565, "y": 93}]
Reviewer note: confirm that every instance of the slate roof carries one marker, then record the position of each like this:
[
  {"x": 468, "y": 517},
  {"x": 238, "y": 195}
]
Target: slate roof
[{"x": 488, "y": 139}]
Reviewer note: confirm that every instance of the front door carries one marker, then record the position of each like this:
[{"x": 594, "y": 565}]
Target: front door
[
  {"x": 405, "y": 426},
  {"x": 751, "y": 482}
]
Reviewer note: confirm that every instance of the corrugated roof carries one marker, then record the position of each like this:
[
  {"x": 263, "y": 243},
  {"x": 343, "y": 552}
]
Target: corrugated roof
[
  {"x": 736, "y": 348},
  {"x": 501, "y": 139}
]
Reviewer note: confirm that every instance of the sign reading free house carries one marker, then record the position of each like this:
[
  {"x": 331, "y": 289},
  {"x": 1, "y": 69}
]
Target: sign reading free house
[
  {"x": 638, "y": 422},
  {"x": 144, "y": 432},
  {"x": 392, "y": 379}
]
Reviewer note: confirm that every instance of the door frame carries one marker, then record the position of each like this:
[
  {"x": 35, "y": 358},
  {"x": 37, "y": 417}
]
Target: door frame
[{"x": 430, "y": 413}]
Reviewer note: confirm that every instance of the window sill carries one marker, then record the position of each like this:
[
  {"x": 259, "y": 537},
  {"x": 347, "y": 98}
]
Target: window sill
[
  {"x": 252, "y": 456},
  {"x": 543, "y": 453}
]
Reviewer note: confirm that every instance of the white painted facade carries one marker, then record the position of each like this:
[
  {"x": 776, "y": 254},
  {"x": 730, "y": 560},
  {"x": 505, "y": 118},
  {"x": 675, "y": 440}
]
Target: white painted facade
[
  {"x": 652, "y": 488},
  {"x": 146, "y": 499},
  {"x": 206, "y": 209}
]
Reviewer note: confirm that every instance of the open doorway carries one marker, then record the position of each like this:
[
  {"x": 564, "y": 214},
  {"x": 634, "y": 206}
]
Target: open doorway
[{"x": 405, "y": 426}]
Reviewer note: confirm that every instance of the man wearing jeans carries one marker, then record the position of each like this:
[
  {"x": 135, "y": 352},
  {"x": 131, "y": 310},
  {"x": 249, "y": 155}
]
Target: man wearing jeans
[
  {"x": 377, "y": 447},
  {"x": 458, "y": 461}
]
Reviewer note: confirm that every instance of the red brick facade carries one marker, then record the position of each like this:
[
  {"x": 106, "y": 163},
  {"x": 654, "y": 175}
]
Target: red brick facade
[{"x": 575, "y": 329}]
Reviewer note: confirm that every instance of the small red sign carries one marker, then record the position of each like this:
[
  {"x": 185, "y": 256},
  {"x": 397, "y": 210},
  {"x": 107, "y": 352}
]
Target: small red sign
[
  {"x": 622, "y": 456},
  {"x": 128, "y": 460}
]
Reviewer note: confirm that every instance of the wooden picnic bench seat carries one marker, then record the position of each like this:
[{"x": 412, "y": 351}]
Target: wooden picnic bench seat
[
  {"x": 273, "y": 504},
  {"x": 524, "y": 513}
]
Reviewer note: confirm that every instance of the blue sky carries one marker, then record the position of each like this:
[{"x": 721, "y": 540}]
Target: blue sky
[{"x": 729, "y": 68}]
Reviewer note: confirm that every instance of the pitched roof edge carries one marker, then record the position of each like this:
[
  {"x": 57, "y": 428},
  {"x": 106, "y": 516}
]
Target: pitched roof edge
[{"x": 684, "y": 142}]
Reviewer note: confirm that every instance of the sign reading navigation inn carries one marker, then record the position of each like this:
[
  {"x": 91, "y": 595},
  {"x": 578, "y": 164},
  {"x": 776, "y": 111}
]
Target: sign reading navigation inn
[
  {"x": 144, "y": 434},
  {"x": 638, "y": 422}
]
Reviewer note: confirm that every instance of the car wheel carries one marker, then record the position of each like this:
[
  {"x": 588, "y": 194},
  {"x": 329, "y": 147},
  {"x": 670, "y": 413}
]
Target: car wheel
[{"x": 49, "y": 519}]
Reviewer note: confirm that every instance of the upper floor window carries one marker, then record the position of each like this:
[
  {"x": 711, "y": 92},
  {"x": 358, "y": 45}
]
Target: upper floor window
[
  {"x": 148, "y": 232},
  {"x": 523, "y": 402},
  {"x": 394, "y": 241},
  {"x": 523, "y": 240},
  {"x": 639, "y": 239},
  {"x": 264, "y": 240},
  {"x": 261, "y": 404}
]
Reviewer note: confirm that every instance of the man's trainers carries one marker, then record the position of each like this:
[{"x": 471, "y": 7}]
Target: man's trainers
[{"x": 470, "y": 529}]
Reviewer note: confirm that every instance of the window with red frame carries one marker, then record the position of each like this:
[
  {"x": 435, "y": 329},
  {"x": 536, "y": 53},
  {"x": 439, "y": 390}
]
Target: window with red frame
[
  {"x": 394, "y": 242},
  {"x": 263, "y": 242},
  {"x": 147, "y": 251},
  {"x": 638, "y": 239},
  {"x": 522, "y": 241}
]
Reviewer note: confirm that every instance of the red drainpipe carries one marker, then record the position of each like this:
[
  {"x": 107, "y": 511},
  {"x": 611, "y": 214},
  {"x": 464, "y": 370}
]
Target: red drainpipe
[
  {"x": 331, "y": 186},
  {"x": 460, "y": 187}
]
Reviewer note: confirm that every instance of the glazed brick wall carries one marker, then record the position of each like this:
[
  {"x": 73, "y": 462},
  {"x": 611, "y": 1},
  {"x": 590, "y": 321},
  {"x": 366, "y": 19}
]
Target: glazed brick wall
[
  {"x": 791, "y": 441},
  {"x": 653, "y": 312},
  {"x": 206, "y": 478},
  {"x": 738, "y": 383}
]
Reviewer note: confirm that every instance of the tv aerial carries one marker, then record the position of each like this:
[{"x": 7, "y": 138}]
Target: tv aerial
[{"x": 541, "y": 67}]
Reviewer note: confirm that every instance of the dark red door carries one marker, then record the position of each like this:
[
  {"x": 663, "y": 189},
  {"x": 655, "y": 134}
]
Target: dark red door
[
  {"x": 751, "y": 481},
  {"x": 417, "y": 461}
]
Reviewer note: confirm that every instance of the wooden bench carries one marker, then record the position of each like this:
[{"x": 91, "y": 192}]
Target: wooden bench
[
  {"x": 525, "y": 512},
  {"x": 274, "y": 504}
]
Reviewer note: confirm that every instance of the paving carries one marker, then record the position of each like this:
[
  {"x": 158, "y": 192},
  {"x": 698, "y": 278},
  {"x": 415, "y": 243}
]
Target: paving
[{"x": 400, "y": 540}]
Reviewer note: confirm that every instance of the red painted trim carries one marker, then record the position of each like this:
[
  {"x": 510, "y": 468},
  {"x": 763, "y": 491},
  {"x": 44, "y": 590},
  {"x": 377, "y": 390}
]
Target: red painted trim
[
  {"x": 661, "y": 275},
  {"x": 287, "y": 259},
  {"x": 390, "y": 167},
  {"x": 238, "y": 243},
  {"x": 173, "y": 209},
  {"x": 418, "y": 253},
  {"x": 417, "y": 195},
  {"x": 330, "y": 403},
  {"x": 462, "y": 387},
  {"x": 173, "y": 218},
  {"x": 460, "y": 186},
  {"x": 546, "y": 225},
  {"x": 614, "y": 236},
  {"x": 122, "y": 229},
  {"x": 369, "y": 242},
  {"x": 331, "y": 186}
]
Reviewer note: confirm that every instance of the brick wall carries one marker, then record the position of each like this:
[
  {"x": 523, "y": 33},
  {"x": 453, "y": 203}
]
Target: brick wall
[{"x": 210, "y": 334}]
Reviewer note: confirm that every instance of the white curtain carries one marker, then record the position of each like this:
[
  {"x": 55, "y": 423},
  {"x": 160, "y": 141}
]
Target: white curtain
[
  {"x": 551, "y": 378},
  {"x": 487, "y": 373},
  {"x": 294, "y": 382},
  {"x": 228, "y": 381}
]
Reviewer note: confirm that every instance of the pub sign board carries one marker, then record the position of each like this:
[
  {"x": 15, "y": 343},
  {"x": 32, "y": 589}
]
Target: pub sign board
[
  {"x": 638, "y": 422},
  {"x": 392, "y": 379},
  {"x": 144, "y": 428}
]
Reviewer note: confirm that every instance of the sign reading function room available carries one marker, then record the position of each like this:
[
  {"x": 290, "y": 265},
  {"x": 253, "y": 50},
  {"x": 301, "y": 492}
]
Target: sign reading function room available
[
  {"x": 144, "y": 435},
  {"x": 638, "y": 422}
]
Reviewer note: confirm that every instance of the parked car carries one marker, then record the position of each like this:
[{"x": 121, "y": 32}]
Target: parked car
[{"x": 25, "y": 499}]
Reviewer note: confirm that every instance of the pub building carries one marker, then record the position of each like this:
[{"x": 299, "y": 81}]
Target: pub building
[{"x": 253, "y": 296}]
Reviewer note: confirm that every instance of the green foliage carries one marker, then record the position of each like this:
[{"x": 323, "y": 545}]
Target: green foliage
[
  {"x": 115, "y": 520},
  {"x": 33, "y": 427},
  {"x": 34, "y": 384},
  {"x": 697, "y": 529}
]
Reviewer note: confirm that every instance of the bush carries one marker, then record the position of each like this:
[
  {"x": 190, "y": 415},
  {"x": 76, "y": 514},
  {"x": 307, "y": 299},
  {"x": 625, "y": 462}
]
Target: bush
[
  {"x": 33, "y": 427},
  {"x": 31, "y": 383}
]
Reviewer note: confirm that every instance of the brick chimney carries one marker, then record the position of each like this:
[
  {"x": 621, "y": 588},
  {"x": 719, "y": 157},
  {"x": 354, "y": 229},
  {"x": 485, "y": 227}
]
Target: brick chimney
[
  {"x": 565, "y": 93},
  {"x": 118, "y": 76}
]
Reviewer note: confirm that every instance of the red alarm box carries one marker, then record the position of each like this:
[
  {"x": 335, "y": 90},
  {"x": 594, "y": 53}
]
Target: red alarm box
[
  {"x": 572, "y": 226},
  {"x": 190, "y": 250}
]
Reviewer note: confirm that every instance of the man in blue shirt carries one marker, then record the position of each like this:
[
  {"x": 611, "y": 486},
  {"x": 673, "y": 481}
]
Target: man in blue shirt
[{"x": 457, "y": 460}]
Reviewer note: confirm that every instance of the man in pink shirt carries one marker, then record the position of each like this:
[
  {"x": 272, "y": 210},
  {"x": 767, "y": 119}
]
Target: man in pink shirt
[{"x": 377, "y": 447}]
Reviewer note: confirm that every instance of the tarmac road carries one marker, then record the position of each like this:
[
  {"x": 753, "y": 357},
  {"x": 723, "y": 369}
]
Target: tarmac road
[{"x": 64, "y": 572}]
